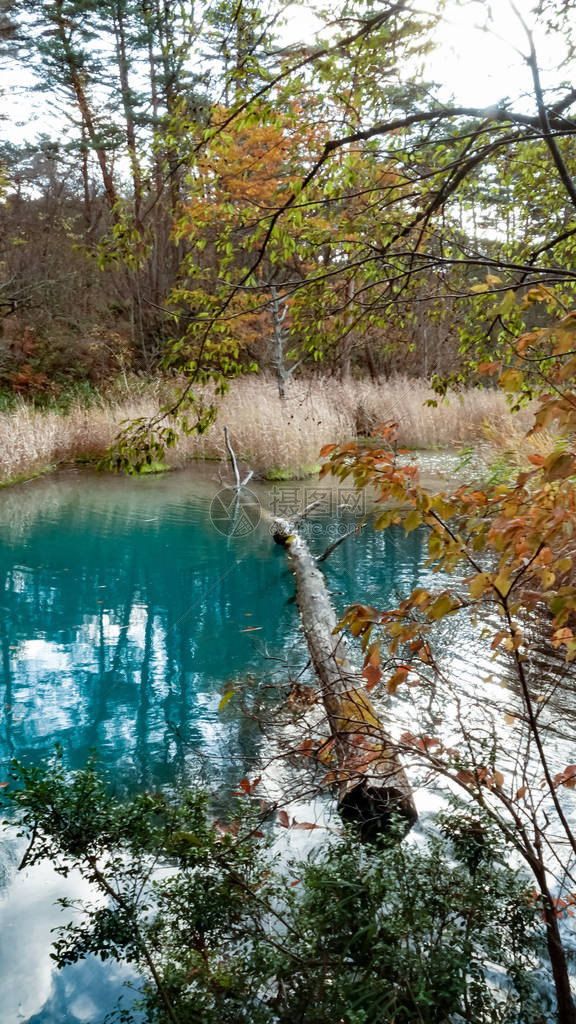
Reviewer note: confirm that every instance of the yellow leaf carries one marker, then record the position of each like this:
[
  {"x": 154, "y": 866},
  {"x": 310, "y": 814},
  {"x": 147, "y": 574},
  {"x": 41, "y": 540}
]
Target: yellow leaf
[
  {"x": 548, "y": 578},
  {"x": 498, "y": 779},
  {"x": 509, "y": 719},
  {"x": 441, "y": 607},
  {"x": 511, "y": 380},
  {"x": 561, "y": 636},
  {"x": 479, "y": 584},
  {"x": 412, "y": 521},
  {"x": 502, "y": 584},
  {"x": 227, "y": 696}
]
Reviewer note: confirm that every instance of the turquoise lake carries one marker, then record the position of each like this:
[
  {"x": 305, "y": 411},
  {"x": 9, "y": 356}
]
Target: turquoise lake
[{"x": 125, "y": 616}]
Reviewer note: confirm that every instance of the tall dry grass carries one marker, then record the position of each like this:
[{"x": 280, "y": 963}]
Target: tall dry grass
[{"x": 268, "y": 434}]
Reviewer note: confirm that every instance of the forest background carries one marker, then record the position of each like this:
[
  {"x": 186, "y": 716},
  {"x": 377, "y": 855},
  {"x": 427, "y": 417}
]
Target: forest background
[{"x": 159, "y": 230}]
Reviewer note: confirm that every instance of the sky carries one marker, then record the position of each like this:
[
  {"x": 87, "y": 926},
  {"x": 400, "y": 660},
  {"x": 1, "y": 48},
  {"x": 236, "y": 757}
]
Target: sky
[
  {"x": 478, "y": 67},
  {"x": 481, "y": 65}
]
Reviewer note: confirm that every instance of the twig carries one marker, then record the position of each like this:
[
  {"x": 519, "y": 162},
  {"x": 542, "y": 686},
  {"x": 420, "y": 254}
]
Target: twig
[
  {"x": 239, "y": 483},
  {"x": 332, "y": 547},
  {"x": 232, "y": 458},
  {"x": 309, "y": 508}
]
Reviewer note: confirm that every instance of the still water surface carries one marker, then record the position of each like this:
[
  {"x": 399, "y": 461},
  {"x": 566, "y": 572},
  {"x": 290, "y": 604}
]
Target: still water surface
[{"x": 125, "y": 614}]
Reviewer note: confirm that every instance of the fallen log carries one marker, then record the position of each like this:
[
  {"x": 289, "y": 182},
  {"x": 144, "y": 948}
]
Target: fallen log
[{"x": 373, "y": 789}]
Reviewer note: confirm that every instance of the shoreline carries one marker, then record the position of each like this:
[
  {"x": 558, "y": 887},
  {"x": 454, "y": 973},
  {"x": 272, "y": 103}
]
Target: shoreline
[{"x": 279, "y": 440}]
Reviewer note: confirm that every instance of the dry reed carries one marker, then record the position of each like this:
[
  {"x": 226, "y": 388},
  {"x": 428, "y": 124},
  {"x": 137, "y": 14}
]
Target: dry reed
[{"x": 269, "y": 435}]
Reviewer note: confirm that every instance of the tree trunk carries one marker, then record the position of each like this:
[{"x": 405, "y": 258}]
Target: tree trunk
[
  {"x": 564, "y": 997},
  {"x": 556, "y": 951},
  {"x": 374, "y": 375},
  {"x": 349, "y": 339},
  {"x": 128, "y": 107},
  {"x": 279, "y": 342},
  {"x": 76, "y": 81},
  {"x": 373, "y": 789}
]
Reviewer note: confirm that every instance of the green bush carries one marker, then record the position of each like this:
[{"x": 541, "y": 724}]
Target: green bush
[{"x": 229, "y": 932}]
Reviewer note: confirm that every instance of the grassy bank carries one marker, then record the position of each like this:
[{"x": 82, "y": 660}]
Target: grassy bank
[{"x": 274, "y": 438}]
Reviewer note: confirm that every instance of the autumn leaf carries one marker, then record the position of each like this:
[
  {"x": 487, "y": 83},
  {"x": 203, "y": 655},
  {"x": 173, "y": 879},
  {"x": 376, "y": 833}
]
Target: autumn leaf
[
  {"x": 559, "y": 466},
  {"x": 468, "y": 778},
  {"x": 479, "y": 584},
  {"x": 511, "y": 380},
  {"x": 249, "y": 787},
  {"x": 443, "y": 605},
  {"x": 372, "y": 674},
  {"x": 561, "y": 636},
  {"x": 225, "y": 699},
  {"x": 396, "y": 679},
  {"x": 327, "y": 450},
  {"x": 306, "y": 747},
  {"x": 567, "y": 777},
  {"x": 412, "y": 521},
  {"x": 488, "y": 367}
]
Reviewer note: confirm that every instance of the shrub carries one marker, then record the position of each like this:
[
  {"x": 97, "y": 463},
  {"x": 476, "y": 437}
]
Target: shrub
[{"x": 230, "y": 932}]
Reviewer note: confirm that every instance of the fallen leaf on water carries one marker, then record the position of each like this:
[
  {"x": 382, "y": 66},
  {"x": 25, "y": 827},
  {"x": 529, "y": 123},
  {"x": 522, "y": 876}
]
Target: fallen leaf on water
[{"x": 227, "y": 696}]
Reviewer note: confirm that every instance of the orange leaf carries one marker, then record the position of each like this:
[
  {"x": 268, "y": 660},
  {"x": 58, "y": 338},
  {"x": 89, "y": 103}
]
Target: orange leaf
[
  {"x": 395, "y": 680},
  {"x": 327, "y": 450},
  {"x": 372, "y": 675},
  {"x": 248, "y": 787},
  {"x": 306, "y": 747},
  {"x": 466, "y": 777}
]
